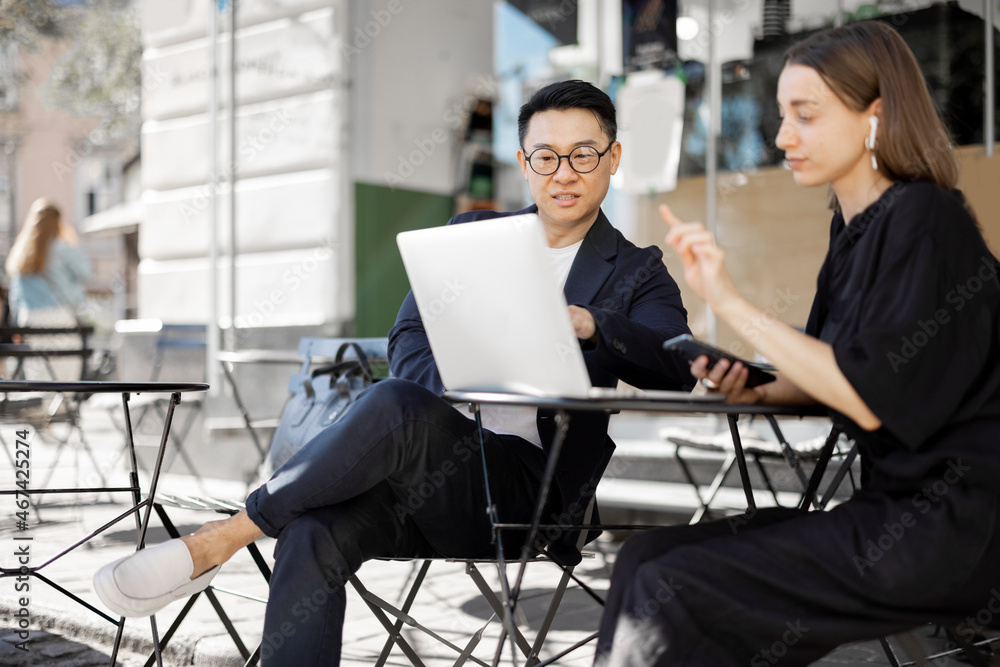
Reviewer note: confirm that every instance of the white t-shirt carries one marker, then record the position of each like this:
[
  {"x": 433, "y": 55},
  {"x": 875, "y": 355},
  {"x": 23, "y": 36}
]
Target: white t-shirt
[{"x": 520, "y": 420}]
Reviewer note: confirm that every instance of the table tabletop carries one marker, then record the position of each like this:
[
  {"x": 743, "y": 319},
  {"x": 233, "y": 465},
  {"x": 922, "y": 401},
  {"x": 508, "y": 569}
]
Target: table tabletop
[
  {"x": 99, "y": 386},
  {"x": 710, "y": 403}
]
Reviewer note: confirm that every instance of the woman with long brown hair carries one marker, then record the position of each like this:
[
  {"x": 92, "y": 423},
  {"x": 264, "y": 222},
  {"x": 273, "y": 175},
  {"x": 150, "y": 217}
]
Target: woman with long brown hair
[
  {"x": 902, "y": 346},
  {"x": 48, "y": 271}
]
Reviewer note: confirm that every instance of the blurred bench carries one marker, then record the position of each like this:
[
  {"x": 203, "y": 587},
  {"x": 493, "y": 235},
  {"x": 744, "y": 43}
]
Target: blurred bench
[
  {"x": 45, "y": 344},
  {"x": 47, "y": 353}
]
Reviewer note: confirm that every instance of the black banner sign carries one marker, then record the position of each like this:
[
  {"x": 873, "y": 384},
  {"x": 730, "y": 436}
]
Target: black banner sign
[
  {"x": 649, "y": 34},
  {"x": 557, "y": 17}
]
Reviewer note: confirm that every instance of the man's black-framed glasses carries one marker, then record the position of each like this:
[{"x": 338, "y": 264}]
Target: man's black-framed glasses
[{"x": 582, "y": 159}]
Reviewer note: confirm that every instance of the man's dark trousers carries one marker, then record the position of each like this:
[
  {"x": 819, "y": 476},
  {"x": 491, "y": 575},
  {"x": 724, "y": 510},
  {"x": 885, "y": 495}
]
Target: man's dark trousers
[{"x": 400, "y": 476}]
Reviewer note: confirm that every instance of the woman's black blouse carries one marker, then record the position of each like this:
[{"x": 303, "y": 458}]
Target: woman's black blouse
[{"x": 909, "y": 298}]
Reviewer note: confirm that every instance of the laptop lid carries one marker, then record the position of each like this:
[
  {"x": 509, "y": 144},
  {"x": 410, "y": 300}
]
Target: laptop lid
[{"x": 494, "y": 315}]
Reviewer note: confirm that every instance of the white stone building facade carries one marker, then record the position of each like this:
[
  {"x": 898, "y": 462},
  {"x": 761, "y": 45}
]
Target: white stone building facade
[{"x": 329, "y": 93}]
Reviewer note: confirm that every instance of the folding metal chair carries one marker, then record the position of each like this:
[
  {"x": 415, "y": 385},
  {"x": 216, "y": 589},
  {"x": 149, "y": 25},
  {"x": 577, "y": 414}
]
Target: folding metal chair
[
  {"x": 759, "y": 451},
  {"x": 393, "y": 618},
  {"x": 531, "y": 651},
  {"x": 173, "y": 338},
  {"x": 171, "y": 341}
]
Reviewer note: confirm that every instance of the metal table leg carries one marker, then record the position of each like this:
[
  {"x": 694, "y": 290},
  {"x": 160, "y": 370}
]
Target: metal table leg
[
  {"x": 741, "y": 461},
  {"x": 143, "y": 524},
  {"x": 510, "y": 595}
]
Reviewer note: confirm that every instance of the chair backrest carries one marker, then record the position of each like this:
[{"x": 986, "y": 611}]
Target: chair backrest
[
  {"x": 326, "y": 348},
  {"x": 177, "y": 337},
  {"x": 43, "y": 353}
]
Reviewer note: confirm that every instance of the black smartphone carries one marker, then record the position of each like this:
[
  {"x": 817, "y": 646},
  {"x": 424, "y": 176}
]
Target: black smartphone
[{"x": 690, "y": 348}]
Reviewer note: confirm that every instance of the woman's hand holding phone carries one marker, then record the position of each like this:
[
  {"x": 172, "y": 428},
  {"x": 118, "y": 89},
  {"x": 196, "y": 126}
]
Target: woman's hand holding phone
[
  {"x": 726, "y": 378},
  {"x": 718, "y": 371}
]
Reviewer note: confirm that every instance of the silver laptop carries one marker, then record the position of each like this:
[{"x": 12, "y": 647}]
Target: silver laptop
[{"x": 494, "y": 315}]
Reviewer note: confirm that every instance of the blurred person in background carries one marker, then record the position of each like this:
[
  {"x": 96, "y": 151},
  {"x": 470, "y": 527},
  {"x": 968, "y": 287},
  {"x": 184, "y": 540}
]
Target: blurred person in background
[
  {"x": 48, "y": 275},
  {"x": 48, "y": 271}
]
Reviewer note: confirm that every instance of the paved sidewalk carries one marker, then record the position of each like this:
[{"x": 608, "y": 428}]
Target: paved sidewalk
[
  {"x": 65, "y": 634},
  {"x": 449, "y": 601}
]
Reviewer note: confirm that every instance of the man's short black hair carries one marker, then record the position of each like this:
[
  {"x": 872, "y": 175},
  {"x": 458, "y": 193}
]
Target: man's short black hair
[{"x": 566, "y": 95}]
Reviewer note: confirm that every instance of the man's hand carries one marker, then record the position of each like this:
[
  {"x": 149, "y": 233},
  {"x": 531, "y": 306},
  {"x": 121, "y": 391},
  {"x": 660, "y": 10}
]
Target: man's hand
[{"x": 583, "y": 323}]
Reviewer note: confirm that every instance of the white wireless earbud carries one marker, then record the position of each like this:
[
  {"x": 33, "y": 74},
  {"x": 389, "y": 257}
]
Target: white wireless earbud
[{"x": 870, "y": 141}]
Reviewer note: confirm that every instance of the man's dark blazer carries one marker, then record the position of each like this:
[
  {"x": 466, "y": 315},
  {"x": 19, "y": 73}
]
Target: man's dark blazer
[{"x": 636, "y": 306}]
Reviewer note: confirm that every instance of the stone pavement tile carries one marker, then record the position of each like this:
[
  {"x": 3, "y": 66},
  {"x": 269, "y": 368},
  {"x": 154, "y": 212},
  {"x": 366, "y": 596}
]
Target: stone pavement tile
[
  {"x": 52, "y": 627},
  {"x": 51, "y": 650}
]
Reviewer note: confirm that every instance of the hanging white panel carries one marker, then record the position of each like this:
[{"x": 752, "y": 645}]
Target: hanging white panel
[{"x": 650, "y": 121}]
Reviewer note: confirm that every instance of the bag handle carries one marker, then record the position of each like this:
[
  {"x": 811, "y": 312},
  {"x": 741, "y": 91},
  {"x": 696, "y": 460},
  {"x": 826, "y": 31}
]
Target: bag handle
[
  {"x": 360, "y": 354},
  {"x": 360, "y": 364}
]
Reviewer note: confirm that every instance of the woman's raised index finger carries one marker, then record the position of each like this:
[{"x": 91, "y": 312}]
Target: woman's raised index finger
[{"x": 668, "y": 216}]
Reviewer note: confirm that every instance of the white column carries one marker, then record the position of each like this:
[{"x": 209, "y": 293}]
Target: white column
[
  {"x": 212, "y": 374},
  {"x": 713, "y": 75}
]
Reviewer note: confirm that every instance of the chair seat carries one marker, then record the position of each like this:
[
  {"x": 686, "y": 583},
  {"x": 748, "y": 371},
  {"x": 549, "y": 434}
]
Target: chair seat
[
  {"x": 236, "y": 423},
  {"x": 201, "y": 503},
  {"x": 757, "y": 450},
  {"x": 675, "y": 497},
  {"x": 723, "y": 442},
  {"x": 538, "y": 558}
]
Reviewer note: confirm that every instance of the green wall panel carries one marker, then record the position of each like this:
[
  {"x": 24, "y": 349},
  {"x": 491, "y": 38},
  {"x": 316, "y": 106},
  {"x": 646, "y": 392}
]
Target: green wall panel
[{"x": 380, "y": 214}]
